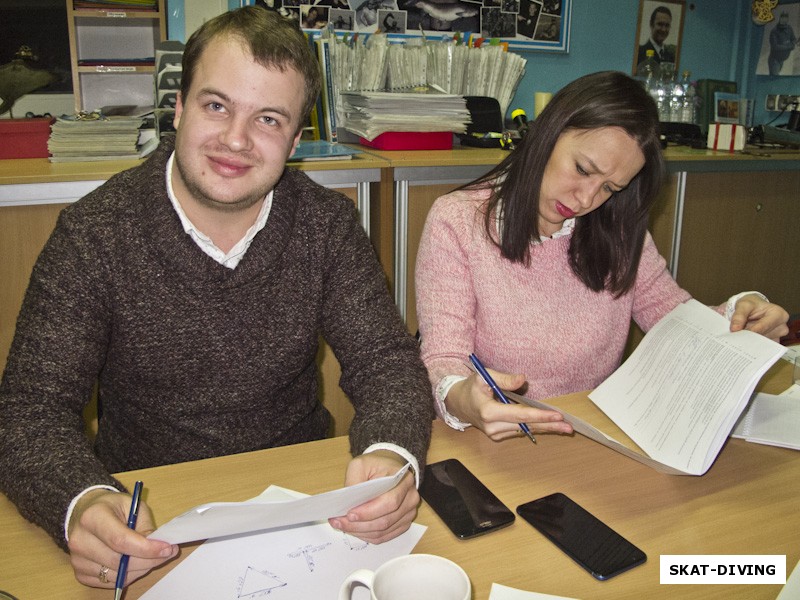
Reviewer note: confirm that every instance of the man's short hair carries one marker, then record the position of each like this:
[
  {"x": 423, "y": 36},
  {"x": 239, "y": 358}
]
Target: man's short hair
[
  {"x": 660, "y": 9},
  {"x": 273, "y": 40}
]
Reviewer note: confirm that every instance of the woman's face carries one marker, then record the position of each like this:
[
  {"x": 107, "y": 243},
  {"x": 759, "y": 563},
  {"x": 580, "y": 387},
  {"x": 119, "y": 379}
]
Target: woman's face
[{"x": 586, "y": 167}]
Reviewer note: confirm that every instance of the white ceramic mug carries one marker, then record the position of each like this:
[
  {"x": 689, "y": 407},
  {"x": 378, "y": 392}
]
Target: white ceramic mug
[{"x": 411, "y": 577}]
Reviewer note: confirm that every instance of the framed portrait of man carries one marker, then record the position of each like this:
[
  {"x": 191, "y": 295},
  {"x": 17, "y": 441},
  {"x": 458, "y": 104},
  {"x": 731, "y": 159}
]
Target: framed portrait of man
[{"x": 659, "y": 28}]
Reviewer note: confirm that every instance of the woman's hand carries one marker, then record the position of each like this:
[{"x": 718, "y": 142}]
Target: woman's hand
[
  {"x": 757, "y": 315},
  {"x": 472, "y": 401}
]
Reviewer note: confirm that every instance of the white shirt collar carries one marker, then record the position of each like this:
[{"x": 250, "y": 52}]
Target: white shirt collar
[
  {"x": 566, "y": 227},
  {"x": 232, "y": 258},
  {"x": 658, "y": 47}
]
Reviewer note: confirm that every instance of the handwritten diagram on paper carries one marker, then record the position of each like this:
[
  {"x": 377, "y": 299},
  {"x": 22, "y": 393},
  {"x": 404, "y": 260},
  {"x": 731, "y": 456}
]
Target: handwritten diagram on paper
[
  {"x": 256, "y": 583},
  {"x": 309, "y": 561}
]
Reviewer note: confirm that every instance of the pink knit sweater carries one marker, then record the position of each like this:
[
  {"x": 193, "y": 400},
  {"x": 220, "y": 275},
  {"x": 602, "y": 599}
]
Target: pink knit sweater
[{"x": 538, "y": 320}]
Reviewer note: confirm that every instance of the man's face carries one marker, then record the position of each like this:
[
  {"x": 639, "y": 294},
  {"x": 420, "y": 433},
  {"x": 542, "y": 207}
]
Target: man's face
[
  {"x": 660, "y": 28},
  {"x": 235, "y": 129}
]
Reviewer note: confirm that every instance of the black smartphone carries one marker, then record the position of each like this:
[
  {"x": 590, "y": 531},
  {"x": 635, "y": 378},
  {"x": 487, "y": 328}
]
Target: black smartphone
[
  {"x": 582, "y": 536},
  {"x": 466, "y": 506}
]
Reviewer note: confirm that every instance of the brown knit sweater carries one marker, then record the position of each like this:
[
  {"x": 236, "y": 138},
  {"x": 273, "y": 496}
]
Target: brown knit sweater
[{"x": 194, "y": 359}]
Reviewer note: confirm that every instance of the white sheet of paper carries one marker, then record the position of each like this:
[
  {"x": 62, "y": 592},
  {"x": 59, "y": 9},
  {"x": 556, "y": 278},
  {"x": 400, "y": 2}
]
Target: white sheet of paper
[
  {"x": 792, "y": 392},
  {"x": 678, "y": 396},
  {"x": 309, "y": 561},
  {"x": 771, "y": 420},
  {"x": 791, "y": 591},
  {"x": 218, "y": 519},
  {"x": 503, "y": 592}
]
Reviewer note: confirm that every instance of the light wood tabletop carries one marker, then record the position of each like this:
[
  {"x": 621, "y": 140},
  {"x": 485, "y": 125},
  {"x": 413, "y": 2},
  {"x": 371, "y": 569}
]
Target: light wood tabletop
[
  {"x": 41, "y": 170},
  {"x": 747, "y": 503}
]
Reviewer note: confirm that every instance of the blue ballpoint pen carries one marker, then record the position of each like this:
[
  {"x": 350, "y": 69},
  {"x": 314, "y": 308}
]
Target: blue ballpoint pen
[
  {"x": 123, "y": 561},
  {"x": 497, "y": 391}
]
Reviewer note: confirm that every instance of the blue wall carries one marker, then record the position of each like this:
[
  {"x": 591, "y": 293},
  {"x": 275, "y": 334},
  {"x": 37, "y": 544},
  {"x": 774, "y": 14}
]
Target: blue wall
[{"x": 720, "y": 41}]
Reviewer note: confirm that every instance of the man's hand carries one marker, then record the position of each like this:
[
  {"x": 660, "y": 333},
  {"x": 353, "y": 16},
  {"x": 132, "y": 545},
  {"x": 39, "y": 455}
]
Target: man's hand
[
  {"x": 390, "y": 514},
  {"x": 755, "y": 314},
  {"x": 99, "y": 535}
]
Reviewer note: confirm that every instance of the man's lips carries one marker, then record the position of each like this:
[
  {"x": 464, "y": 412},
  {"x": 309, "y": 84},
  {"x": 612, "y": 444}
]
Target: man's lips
[
  {"x": 564, "y": 211},
  {"x": 227, "y": 166}
]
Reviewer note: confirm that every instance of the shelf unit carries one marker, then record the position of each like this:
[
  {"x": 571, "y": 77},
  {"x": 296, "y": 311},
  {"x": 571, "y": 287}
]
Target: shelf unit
[{"x": 112, "y": 53}]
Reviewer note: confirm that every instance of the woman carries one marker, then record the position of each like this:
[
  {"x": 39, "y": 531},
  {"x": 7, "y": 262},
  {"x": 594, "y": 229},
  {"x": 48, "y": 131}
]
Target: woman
[{"x": 539, "y": 266}]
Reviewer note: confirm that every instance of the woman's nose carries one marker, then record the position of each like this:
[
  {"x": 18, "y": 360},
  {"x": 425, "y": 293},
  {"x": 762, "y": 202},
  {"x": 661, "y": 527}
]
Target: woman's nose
[{"x": 587, "y": 193}]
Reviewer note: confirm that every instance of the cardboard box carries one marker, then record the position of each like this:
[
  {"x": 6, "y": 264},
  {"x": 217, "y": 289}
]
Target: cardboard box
[
  {"x": 726, "y": 136},
  {"x": 24, "y": 138},
  {"x": 411, "y": 140}
]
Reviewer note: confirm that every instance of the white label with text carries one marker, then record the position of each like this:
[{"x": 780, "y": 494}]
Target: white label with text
[{"x": 723, "y": 568}]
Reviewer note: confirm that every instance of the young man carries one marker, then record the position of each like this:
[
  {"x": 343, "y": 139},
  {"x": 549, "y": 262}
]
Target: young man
[
  {"x": 193, "y": 290},
  {"x": 660, "y": 26}
]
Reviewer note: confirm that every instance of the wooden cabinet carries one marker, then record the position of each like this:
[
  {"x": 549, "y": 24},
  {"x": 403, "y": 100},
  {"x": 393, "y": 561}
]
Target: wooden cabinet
[
  {"x": 112, "y": 52},
  {"x": 738, "y": 233}
]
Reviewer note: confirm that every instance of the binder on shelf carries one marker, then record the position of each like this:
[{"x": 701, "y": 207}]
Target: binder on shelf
[
  {"x": 166, "y": 99},
  {"x": 328, "y": 90},
  {"x": 169, "y": 78},
  {"x": 167, "y": 83}
]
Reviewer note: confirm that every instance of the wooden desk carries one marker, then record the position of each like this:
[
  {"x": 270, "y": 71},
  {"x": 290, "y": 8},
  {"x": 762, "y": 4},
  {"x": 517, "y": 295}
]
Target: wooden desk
[{"x": 745, "y": 504}]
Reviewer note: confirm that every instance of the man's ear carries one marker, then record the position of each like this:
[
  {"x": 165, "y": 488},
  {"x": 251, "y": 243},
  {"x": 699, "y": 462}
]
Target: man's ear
[
  {"x": 178, "y": 110},
  {"x": 296, "y": 141}
]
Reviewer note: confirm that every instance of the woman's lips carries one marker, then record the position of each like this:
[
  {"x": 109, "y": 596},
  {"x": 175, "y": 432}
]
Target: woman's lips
[{"x": 564, "y": 211}]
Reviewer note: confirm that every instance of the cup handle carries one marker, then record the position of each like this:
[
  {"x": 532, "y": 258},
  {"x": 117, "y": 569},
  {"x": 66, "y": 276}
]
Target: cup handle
[{"x": 362, "y": 576}]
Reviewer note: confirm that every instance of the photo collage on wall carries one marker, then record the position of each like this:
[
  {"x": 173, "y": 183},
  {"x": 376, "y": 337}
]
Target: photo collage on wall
[{"x": 515, "y": 20}]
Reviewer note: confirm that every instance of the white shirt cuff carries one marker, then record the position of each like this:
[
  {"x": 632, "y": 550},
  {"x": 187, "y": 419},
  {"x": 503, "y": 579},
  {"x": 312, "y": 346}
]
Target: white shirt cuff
[
  {"x": 441, "y": 393},
  {"x": 730, "y": 308},
  {"x": 410, "y": 458},
  {"x": 75, "y": 501}
]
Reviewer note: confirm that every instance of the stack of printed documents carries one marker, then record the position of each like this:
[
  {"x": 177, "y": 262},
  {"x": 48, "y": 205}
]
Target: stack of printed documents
[
  {"x": 96, "y": 137},
  {"x": 369, "y": 114}
]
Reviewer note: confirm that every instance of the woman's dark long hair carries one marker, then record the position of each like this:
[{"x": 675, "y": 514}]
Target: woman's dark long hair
[{"x": 607, "y": 243}]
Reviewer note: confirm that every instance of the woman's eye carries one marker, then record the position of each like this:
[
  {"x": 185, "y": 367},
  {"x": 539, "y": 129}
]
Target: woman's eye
[{"x": 581, "y": 170}]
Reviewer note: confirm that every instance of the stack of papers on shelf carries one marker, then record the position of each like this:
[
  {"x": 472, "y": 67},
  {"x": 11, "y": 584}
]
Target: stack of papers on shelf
[
  {"x": 369, "y": 114},
  {"x": 97, "y": 137},
  {"x": 485, "y": 71}
]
